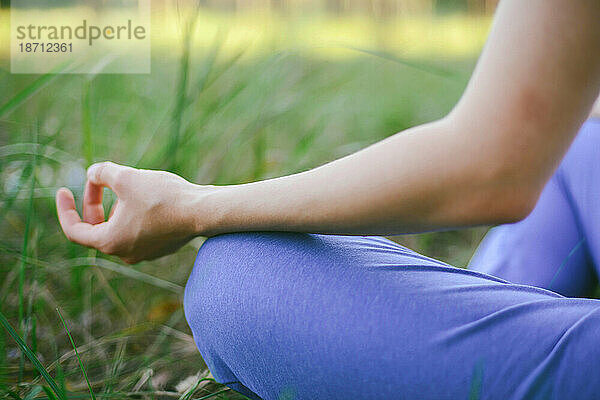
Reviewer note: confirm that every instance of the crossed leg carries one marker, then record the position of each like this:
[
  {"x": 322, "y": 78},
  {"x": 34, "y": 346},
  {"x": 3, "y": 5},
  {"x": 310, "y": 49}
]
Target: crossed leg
[
  {"x": 282, "y": 315},
  {"x": 285, "y": 315}
]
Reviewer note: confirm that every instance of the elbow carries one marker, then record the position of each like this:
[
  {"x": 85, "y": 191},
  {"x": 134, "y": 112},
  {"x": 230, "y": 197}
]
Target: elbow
[
  {"x": 507, "y": 187},
  {"x": 494, "y": 205},
  {"x": 508, "y": 203},
  {"x": 517, "y": 214},
  {"x": 503, "y": 195},
  {"x": 514, "y": 208}
]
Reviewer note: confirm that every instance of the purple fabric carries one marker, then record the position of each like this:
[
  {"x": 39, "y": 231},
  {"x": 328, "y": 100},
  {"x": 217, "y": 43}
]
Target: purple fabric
[{"x": 304, "y": 316}]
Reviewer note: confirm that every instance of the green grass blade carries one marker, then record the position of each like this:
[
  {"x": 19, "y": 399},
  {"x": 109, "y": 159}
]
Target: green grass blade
[
  {"x": 32, "y": 357},
  {"x": 3, "y": 363},
  {"x": 213, "y": 394},
  {"x": 60, "y": 378},
  {"x": 208, "y": 68},
  {"x": 209, "y": 64},
  {"x": 181, "y": 95},
  {"x": 25, "y": 94},
  {"x": 77, "y": 355},
  {"x": 125, "y": 271},
  {"x": 23, "y": 264},
  {"x": 30, "y": 90},
  {"x": 9, "y": 392},
  {"x": 9, "y": 199},
  {"x": 190, "y": 392},
  {"x": 116, "y": 366},
  {"x": 34, "y": 333},
  {"x": 44, "y": 151},
  {"x": 86, "y": 123},
  {"x": 49, "y": 393},
  {"x": 25, "y": 245},
  {"x": 420, "y": 66},
  {"x": 34, "y": 392}
]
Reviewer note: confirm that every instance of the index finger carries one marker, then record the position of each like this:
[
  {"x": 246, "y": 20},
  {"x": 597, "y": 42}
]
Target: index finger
[
  {"x": 71, "y": 224},
  {"x": 93, "y": 210}
]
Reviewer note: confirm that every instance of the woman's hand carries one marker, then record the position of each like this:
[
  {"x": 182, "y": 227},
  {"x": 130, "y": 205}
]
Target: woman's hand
[{"x": 151, "y": 218}]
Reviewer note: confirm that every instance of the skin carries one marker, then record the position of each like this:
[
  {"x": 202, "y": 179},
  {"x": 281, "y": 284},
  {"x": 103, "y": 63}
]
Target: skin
[
  {"x": 596, "y": 110},
  {"x": 484, "y": 163}
]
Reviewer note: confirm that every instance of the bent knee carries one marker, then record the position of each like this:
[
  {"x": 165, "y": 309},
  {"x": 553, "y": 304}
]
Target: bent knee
[
  {"x": 209, "y": 274},
  {"x": 210, "y": 294},
  {"x": 225, "y": 269},
  {"x": 221, "y": 293},
  {"x": 224, "y": 256}
]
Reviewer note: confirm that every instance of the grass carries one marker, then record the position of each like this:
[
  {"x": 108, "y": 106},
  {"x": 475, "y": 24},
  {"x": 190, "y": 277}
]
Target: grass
[
  {"x": 93, "y": 396},
  {"x": 32, "y": 357},
  {"x": 215, "y": 112},
  {"x": 26, "y": 93},
  {"x": 28, "y": 219}
]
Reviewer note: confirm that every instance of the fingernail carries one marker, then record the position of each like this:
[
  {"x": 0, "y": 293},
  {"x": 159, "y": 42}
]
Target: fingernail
[
  {"x": 64, "y": 190},
  {"x": 91, "y": 172}
]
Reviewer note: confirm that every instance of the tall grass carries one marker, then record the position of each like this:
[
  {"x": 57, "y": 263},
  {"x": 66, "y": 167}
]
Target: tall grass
[
  {"x": 181, "y": 93},
  {"x": 85, "y": 376},
  {"x": 24, "y": 253},
  {"x": 30, "y": 90},
  {"x": 33, "y": 358},
  {"x": 213, "y": 116}
]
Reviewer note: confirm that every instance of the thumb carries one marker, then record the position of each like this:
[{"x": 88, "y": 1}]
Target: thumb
[{"x": 109, "y": 174}]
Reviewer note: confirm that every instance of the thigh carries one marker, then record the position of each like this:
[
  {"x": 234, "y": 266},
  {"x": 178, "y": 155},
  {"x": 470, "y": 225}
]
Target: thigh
[
  {"x": 556, "y": 246},
  {"x": 579, "y": 174},
  {"x": 315, "y": 316}
]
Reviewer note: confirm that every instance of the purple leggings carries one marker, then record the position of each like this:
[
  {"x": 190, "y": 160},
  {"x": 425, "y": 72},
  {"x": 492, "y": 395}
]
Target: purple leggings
[{"x": 304, "y": 316}]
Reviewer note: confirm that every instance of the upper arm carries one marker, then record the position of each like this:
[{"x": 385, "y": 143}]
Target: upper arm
[{"x": 534, "y": 85}]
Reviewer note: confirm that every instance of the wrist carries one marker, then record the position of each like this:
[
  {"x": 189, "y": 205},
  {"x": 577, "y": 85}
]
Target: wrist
[
  {"x": 257, "y": 206},
  {"x": 208, "y": 211}
]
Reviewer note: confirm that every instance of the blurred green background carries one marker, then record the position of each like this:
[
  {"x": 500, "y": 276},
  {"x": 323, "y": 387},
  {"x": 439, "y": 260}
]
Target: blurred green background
[{"x": 240, "y": 90}]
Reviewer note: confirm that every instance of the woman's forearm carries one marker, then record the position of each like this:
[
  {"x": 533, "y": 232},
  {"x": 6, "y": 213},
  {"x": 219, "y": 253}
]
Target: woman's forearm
[
  {"x": 417, "y": 180},
  {"x": 487, "y": 162}
]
